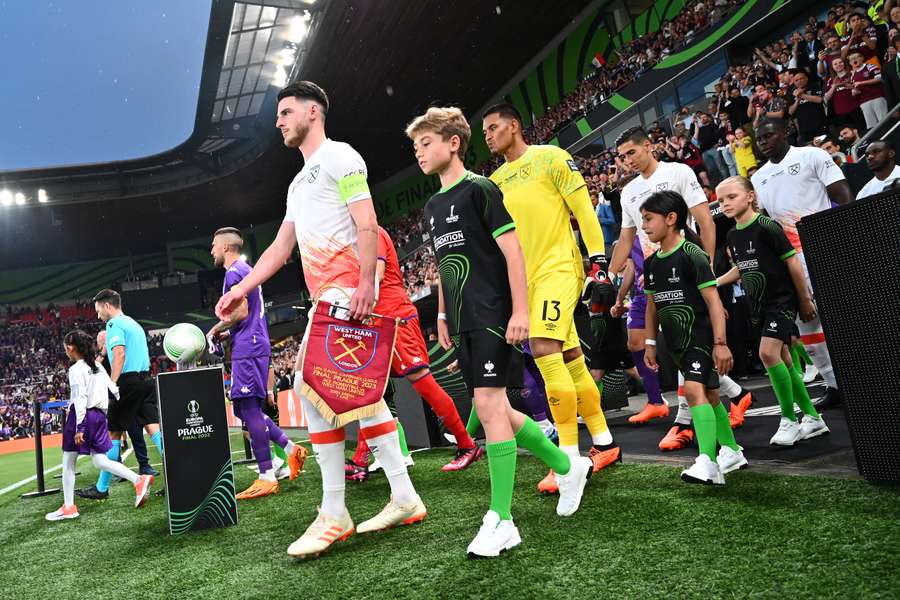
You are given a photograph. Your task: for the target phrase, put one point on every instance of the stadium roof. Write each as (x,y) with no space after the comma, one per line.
(380,65)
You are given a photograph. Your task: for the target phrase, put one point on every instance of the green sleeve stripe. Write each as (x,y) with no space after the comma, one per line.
(707,284)
(788,254)
(501,230)
(352,185)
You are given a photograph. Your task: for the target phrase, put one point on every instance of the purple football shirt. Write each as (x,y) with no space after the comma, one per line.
(250,337)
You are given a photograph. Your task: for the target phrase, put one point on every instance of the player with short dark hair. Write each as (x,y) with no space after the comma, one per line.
(542,186)
(331,217)
(793,183)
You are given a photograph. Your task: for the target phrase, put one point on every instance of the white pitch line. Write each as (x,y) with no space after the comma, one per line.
(28,480)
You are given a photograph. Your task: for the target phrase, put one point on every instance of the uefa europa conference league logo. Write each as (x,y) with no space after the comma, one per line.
(194,429)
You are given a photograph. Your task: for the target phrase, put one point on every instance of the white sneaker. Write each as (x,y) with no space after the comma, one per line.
(811,427)
(283,473)
(64,512)
(395,514)
(323,532)
(810,374)
(730,460)
(703,471)
(571,485)
(494,537)
(788,433)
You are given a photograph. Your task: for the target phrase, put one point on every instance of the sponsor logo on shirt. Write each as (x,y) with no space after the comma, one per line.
(744,265)
(695,185)
(245,389)
(525,172)
(572,165)
(650,275)
(452,218)
(750,248)
(453,239)
(674,278)
(313,173)
(431,222)
(794,169)
(672,296)
(661,187)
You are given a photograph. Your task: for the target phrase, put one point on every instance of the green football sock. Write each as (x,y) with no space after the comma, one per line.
(801,396)
(600,389)
(404,449)
(780,376)
(705,427)
(474,422)
(801,350)
(502,466)
(533,439)
(724,434)
(797,362)
(279,452)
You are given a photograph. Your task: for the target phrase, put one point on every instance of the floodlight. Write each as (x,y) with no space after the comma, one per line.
(6,198)
(42,196)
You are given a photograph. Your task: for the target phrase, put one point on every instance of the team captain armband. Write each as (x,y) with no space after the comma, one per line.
(353,186)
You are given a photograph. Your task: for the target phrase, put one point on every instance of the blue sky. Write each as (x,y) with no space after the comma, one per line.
(97,80)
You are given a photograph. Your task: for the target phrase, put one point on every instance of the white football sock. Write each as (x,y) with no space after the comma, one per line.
(101,461)
(386,449)
(68,477)
(329,456)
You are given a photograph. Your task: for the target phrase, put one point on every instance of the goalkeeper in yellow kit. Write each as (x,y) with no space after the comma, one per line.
(541,186)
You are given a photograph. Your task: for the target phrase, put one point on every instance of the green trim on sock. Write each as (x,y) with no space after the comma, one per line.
(502,467)
(404,449)
(533,439)
(724,434)
(473,423)
(279,452)
(780,376)
(705,427)
(801,396)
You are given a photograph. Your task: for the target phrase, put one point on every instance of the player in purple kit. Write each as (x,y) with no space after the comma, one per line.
(250,351)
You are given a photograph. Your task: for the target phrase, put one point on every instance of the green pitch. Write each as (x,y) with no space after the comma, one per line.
(640,533)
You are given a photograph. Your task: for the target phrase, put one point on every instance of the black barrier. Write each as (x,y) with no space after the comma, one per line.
(196,451)
(39,456)
(248,453)
(852,259)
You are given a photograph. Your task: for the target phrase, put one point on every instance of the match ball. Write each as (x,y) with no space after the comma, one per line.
(184,342)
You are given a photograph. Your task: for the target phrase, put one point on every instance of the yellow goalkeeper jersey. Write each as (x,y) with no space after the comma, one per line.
(538,188)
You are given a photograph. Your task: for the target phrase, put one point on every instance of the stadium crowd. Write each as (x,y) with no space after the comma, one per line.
(33,362)
(825,79)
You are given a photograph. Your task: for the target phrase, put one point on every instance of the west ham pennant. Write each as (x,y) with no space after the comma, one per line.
(347,364)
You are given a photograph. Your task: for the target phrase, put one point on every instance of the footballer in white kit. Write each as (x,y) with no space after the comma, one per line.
(796,182)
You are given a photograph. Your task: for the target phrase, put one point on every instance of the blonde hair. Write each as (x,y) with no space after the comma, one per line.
(445,121)
(744,183)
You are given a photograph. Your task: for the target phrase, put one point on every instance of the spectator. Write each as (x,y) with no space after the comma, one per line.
(845,104)
(868,89)
(807,109)
(743,152)
(707,135)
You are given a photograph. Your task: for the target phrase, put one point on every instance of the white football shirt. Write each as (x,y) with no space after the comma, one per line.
(876,186)
(676,177)
(795,187)
(318,205)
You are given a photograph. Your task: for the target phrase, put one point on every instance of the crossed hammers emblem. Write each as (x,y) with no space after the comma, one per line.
(351,352)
